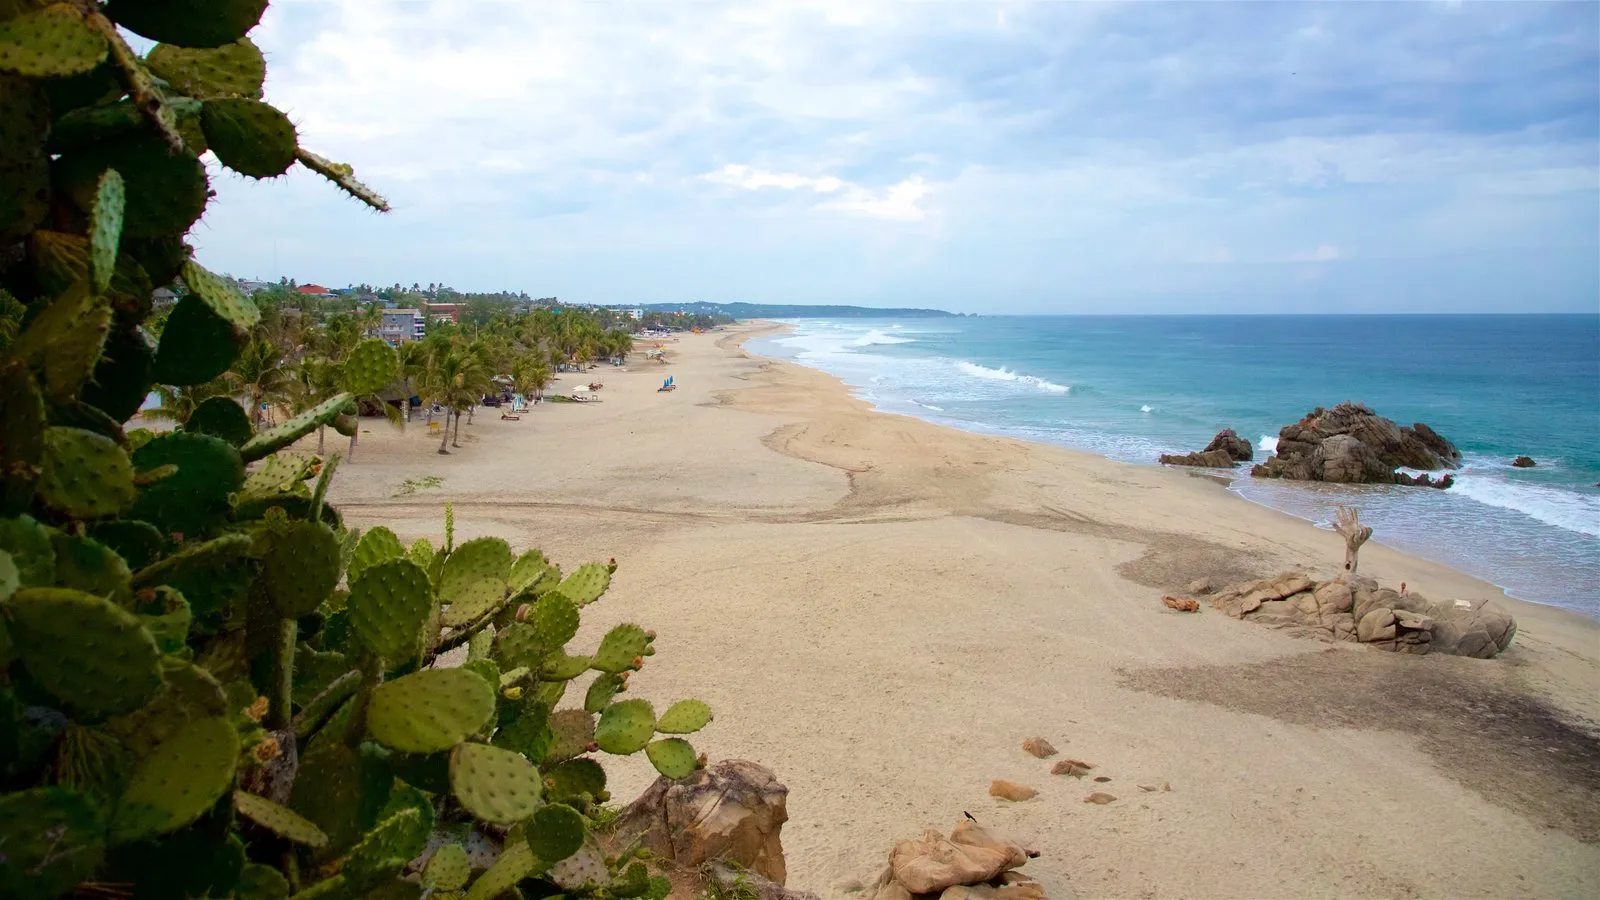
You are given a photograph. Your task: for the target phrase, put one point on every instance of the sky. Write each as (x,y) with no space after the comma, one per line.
(979,157)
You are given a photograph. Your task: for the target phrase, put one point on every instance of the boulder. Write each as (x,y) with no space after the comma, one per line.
(971,855)
(1229,442)
(1210,459)
(732,811)
(1524,462)
(736,881)
(1038,746)
(1358,609)
(1351,444)
(1010,790)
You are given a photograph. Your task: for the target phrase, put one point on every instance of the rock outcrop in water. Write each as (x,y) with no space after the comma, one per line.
(1224,450)
(1524,462)
(1357,609)
(1351,444)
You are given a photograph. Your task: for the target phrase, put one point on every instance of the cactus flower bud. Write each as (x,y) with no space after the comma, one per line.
(257,710)
(650,635)
(592,747)
(266,751)
(522,612)
(638,662)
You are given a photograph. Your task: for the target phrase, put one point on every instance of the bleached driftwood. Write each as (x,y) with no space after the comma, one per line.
(1348,524)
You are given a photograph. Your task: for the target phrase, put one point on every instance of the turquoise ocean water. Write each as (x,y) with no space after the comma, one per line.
(1131,388)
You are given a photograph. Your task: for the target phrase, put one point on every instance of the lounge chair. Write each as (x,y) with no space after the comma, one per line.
(510,415)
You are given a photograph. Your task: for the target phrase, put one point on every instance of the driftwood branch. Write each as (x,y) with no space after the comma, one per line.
(1348,524)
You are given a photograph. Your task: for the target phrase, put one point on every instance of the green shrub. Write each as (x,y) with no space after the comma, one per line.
(209,686)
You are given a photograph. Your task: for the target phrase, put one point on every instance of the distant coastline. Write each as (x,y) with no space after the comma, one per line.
(746,311)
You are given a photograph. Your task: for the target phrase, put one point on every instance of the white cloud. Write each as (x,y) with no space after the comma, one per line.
(898,201)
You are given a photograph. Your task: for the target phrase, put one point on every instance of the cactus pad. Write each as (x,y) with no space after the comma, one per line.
(167,196)
(105,229)
(281,472)
(343,177)
(575,780)
(370,368)
(554,619)
(250,137)
(188,23)
(85,475)
(473,581)
(431,710)
(279,820)
(388,605)
(53,838)
(527,571)
(515,864)
(585,585)
(122,379)
(292,430)
(22,426)
(560,667)
(684,717)
(583,872)
(177,782)
(626,727)
(299,566)
(672,757)
(377,545)
(601,692)
(87,565)
(384,851)
(63,342)
(30,547)
(221,417)
(421,553)
(196,346)
(10,580)
(528,734)
(224,299)
(232,70)
(498,786)
(555,832)
(620,647)
(195,498)
(50,43)
(574,731)
(448,869)
(84,649)
(485,669)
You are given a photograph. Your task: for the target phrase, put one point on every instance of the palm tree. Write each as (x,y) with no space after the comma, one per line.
(531,375)
(455,379)
(314,381)
(262,374)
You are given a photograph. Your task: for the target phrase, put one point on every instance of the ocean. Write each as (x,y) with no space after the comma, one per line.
(1134,387)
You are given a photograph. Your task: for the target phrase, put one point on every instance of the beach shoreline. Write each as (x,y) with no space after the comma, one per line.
(881,609)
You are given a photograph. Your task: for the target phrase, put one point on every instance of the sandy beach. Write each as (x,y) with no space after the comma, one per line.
(881,610)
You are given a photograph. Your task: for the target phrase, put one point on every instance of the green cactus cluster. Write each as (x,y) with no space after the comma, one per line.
(209,684)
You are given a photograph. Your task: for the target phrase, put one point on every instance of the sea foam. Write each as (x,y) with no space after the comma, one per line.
(1268,443)
(1552,506)
(1004,374)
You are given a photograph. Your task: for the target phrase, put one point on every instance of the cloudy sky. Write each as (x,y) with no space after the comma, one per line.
(980,157)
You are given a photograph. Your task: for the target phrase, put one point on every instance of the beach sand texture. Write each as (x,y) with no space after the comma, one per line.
(882,610)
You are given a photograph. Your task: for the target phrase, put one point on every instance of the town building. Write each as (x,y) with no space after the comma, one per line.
(315,290)
(401,326)
(440,311)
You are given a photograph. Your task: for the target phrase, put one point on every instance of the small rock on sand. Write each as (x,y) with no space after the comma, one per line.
(1181,604)
(1102,779)
(1039,747)
(1099,798)
(1010,790)
(1077,768)
(1202,586)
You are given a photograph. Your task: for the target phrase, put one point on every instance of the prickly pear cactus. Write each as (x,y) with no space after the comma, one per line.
(209,686)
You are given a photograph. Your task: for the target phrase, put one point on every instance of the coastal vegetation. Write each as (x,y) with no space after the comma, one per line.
(209,684)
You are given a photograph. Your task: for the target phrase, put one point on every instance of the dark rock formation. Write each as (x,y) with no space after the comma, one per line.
(1224,450)
(1237,447)
(1357,609)
(732,811)
(1211,459)
(1351,444)
(1524,462)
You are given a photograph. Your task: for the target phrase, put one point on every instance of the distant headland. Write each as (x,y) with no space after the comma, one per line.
(797,311)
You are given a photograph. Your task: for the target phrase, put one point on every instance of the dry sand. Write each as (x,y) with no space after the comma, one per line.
(882,610)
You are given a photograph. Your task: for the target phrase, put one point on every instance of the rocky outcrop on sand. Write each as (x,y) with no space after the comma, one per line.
(732,811)
(1358,609)
(1351,444)
(971,864)
(1224,450)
